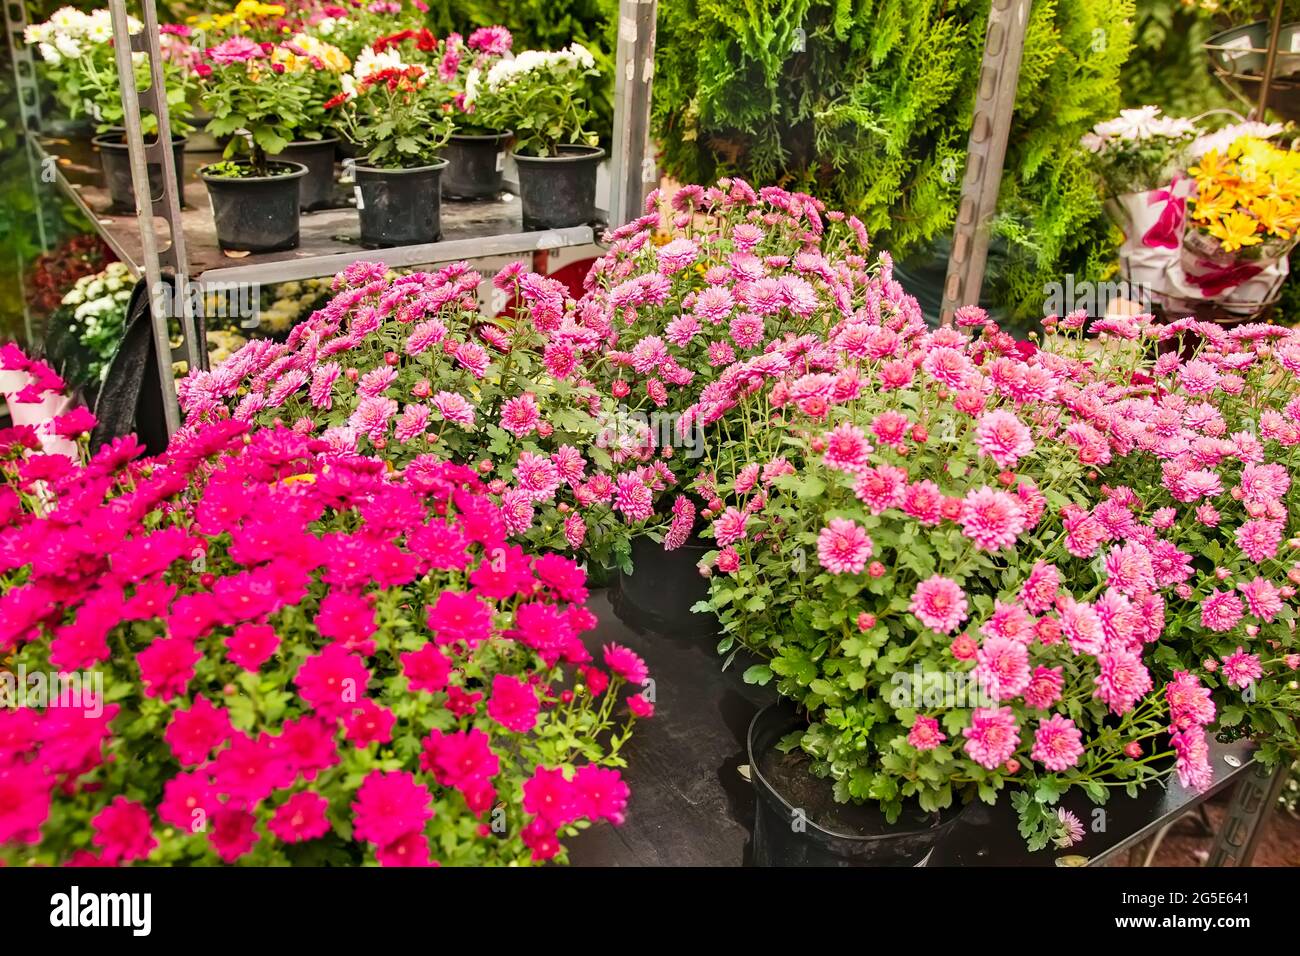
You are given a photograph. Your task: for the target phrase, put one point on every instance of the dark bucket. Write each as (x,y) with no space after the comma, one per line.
(399,207)
(115,157)
(789,801)
(662,588)
(559,191)
(256,213)
(317,189)
(475,164)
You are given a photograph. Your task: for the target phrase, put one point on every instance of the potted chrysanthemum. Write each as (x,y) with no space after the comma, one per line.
(314,140)
(476,151)
(78,57)
(543,97)
(398,116)
(258,104)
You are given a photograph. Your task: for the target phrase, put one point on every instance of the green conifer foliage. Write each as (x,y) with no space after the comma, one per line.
(873,115)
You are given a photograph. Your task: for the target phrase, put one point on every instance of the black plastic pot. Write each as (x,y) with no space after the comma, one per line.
(788,835)
(475,163)
(115,157)
(317,189)
(399,207)
(663,585)
(559,191)
(256,213)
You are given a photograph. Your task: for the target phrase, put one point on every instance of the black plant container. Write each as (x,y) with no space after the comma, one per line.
(559,191)
(115,157)
(399,207)
(317,189)
(256,213)
(662,588)
(786,835)
(475,164)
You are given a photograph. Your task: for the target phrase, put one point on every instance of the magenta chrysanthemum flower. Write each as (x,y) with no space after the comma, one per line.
(992,519)
(992,736)
(1193,759)
(729,527)
(1220,611)
(1003,437)
(389,806)
(301,817)
(632,497)
(940,604)
(626,664)
(1058,744)
(843,547)
(513,704)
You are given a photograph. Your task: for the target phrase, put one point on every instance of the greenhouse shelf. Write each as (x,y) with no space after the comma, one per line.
(471,230)
(692,806)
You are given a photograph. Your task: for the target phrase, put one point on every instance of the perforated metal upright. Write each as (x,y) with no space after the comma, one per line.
(1004,44)
(165,302)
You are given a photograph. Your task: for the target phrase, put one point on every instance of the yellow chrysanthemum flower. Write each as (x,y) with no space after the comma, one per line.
(1235,231)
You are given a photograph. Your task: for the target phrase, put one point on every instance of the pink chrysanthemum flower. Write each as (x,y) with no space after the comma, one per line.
(881,488)
(843,547)
(847,448)
(1220,611)
(992,736)
(940,604)
(1259,538)
(454,408)
(1262,598)
(520,415)
(925,733)
(1071,829)
(1123,680)
(729,527)
(1044,688)
(1039,590)
(1003,437)
(992,519)
(1058,744)
(1002,667)
(1241,669)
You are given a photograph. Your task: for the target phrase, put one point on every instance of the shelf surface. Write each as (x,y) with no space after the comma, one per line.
(690,806)
(328,238)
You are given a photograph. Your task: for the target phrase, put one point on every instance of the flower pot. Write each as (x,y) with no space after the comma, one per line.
(317,189)
(115,156)
(399,207)
(1248,275)
(798,823)
(1238,50)
(663,586)
(559,191)
(256,213)
(474,165)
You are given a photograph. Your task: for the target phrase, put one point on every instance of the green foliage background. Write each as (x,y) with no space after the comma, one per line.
(873,116)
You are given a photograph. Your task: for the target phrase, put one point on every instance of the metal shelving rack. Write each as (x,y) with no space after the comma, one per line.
(171,243)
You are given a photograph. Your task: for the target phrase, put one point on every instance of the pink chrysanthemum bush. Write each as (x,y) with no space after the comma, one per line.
(705,278)
(305,658)
(405,366)
(905,536)
(1198,465)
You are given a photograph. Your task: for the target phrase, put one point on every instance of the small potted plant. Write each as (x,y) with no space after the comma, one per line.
(314,140)
(542,96)
(78,54)
(476,151)
(397,116)
(258,104)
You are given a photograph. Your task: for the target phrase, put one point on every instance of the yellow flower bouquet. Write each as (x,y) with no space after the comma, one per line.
(1243,215)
